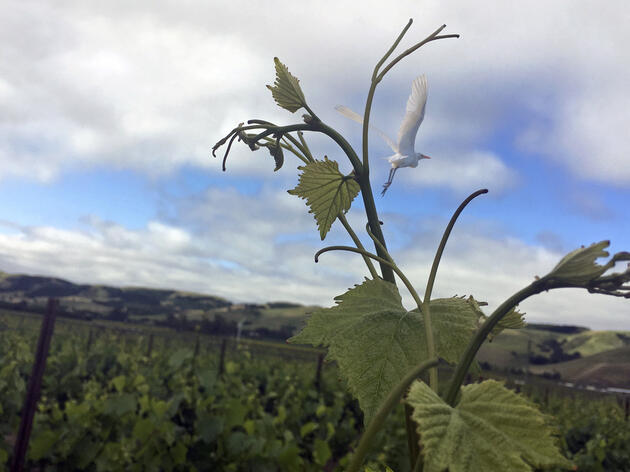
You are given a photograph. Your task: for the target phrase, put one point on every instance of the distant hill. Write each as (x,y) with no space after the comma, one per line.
(177,309)
(31,292)
(588,357)
(609,368)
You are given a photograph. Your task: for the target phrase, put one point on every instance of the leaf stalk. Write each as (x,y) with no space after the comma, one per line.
(388,405)
(426,305)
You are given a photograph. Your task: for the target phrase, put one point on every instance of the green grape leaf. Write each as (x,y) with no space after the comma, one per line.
(286,89)
(119,382)
(209,426)
(308,428)
(143,428)
(376,341)
(491,428)
(454,323)
(120,404)
(326,190)
(42,444)
(321,452)
(178,453)
(179,357)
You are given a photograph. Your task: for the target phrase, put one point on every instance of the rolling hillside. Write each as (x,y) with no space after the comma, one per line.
(576,353)
(138,304)
(609,368)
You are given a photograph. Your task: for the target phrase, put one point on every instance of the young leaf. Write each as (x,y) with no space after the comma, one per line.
(326,191)
(579,269)
(286,89)
(375,341)
(274,147)
(276,152)
(491,428)
(579,266)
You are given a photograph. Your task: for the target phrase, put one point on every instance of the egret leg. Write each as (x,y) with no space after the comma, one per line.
(386,185)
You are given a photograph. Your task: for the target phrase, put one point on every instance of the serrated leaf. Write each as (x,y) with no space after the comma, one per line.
(511,320)
(326,191)
(579,266)
(286,89)
(375,341)
(491,428)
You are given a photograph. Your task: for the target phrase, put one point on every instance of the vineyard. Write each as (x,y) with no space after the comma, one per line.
(115,400)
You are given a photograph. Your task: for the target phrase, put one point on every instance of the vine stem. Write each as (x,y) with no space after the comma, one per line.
(388,405)
(426,305)
(357,242)
(394,267)
(363,180)
(305,146)
(370,97)
(366,193)
(432,37)
(412,436)
(368,198)
(471,351)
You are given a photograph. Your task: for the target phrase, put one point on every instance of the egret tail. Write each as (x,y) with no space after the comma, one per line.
(348,113)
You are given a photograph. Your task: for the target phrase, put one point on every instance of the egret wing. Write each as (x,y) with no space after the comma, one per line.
(354,116)
(413,117)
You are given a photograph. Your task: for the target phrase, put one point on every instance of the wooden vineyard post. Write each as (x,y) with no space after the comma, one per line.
(222,358)
(318,374)
(196,347)
(150,347)
(34,388)
(89,341)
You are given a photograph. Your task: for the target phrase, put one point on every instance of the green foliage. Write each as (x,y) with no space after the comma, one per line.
(596,436)
(491,428)
(171,412)
(376,341)
(266,415)
(286,89)
(326,190)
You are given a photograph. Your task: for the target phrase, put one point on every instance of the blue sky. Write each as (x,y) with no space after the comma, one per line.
(108,112)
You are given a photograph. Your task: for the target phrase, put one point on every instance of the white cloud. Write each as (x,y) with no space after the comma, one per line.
(492,269)
(230,249)
(152,85)
(464,172)
(261,249)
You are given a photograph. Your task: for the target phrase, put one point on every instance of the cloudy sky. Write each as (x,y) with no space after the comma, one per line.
(108,111)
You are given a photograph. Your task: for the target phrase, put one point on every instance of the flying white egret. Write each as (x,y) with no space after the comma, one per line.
(405,156)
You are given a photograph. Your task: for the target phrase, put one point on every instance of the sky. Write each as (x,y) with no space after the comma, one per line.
(109,110)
